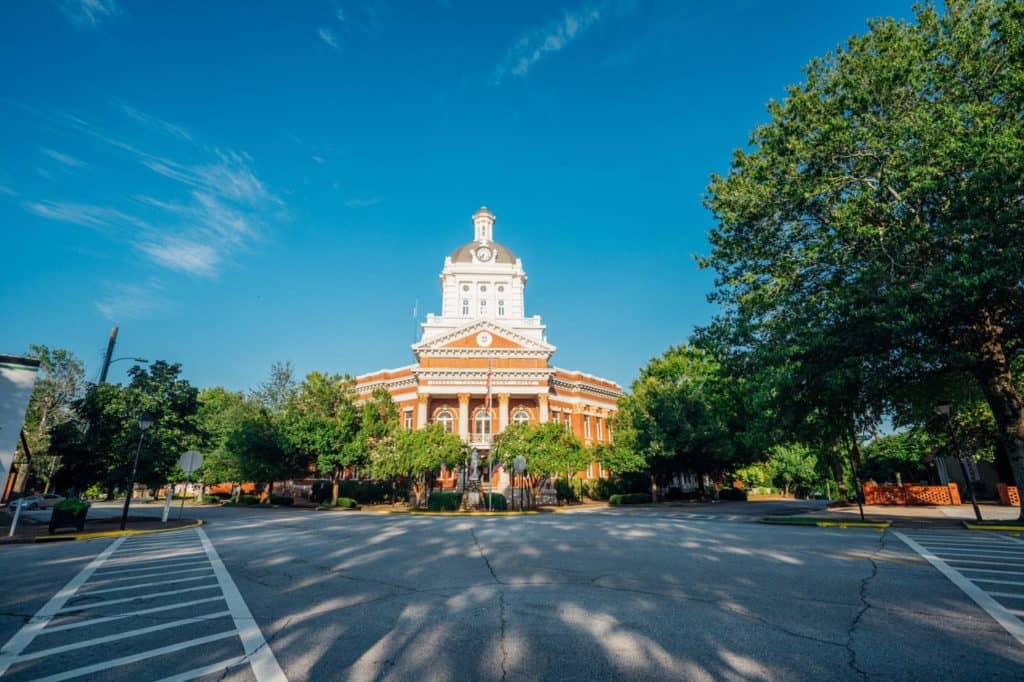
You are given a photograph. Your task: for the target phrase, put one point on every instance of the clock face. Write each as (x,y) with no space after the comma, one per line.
(484,339)
(483,254)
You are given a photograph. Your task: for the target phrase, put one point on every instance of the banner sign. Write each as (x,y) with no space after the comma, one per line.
(17,379)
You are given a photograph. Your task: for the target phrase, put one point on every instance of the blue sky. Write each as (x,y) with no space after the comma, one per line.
(239,183)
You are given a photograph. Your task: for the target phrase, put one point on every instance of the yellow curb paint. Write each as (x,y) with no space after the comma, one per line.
(1013,530)
(113,533)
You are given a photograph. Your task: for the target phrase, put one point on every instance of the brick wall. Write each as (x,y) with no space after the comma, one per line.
(911,494)
(1009,495)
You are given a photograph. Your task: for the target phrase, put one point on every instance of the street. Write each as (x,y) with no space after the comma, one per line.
(653,595)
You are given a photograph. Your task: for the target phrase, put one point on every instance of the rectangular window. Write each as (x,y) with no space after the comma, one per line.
(600,430)
(586,426)
(483,306)
(465,307)
(408,420)
(501,308)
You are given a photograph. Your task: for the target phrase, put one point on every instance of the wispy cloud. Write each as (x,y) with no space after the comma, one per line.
(8,191)
(155,124)
(85,215)
(363,203)
(553,37)
(181,254)
(214,206)
(123,301)
(65,159)
(327,35)
(88,13)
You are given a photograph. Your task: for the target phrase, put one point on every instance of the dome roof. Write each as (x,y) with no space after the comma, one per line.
(499,253)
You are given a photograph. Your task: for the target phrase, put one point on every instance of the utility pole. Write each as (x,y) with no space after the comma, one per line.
(109,355)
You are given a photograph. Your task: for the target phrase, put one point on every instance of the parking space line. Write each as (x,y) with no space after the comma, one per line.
(997,611)
(119,571)
(23,637)
(264,665)
(107,590)
(995,580)
(151,595)
(1012,595)
(223,666)
(990,570)
(135,658)
(143,612)
(43,653)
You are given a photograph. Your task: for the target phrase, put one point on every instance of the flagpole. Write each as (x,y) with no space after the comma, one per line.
(490,452)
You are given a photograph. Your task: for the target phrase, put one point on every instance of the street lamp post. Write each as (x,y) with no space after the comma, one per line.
(946,410)
(145,421)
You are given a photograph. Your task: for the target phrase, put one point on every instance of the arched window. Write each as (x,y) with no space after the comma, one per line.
(521,416)
(482,423)
(483,306)
(465,307)
(501,307)
(445,419)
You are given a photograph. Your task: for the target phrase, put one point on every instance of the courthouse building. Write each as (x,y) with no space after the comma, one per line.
(483,344)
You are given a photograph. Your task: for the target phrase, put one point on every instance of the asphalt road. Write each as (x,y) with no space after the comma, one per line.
(585,596)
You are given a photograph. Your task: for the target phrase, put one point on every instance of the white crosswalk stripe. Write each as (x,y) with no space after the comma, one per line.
(972,562)
(171,601)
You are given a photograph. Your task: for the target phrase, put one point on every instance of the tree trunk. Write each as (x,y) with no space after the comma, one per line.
(994,374)
(335,486)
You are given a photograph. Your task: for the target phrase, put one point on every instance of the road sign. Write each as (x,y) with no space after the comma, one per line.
(972,468)
(190,461)
(520,464)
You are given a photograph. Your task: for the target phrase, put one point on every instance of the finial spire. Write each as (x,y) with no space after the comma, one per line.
(483,225)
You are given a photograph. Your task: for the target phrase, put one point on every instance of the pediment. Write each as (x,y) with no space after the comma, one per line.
(483,336)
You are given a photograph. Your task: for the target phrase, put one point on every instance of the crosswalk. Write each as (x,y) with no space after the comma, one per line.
(987,567)
(150,607)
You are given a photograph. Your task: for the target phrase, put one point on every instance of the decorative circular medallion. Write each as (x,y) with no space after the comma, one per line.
(484,339)
(483,254)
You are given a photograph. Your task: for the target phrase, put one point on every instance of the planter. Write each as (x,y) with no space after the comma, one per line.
(68,518)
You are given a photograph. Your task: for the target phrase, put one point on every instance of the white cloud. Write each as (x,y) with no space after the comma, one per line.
(130,301)
(327,35)
(182,254)
(156,124)
(86,215)
(88,13)
(64,159)
(538,43)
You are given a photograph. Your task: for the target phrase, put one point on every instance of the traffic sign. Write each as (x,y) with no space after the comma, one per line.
(520,464)
(190,461)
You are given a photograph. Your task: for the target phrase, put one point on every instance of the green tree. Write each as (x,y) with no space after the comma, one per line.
(879,212)
(278,390)
(59,383)
(415,455)
(322,425)
(551,451)
(792,466)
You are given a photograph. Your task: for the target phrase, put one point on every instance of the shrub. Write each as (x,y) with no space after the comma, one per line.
(248,499)
(568,490)
(72,504)
(630,498)
(282,500)
(223,496)
(364,492)
(732,494)
(95,492)
(346,503)
(448,501)
(495,501)
(211,499)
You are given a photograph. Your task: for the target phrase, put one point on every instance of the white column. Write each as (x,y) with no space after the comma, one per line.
(502,411)
(542,403)
(421,411)
(464,416)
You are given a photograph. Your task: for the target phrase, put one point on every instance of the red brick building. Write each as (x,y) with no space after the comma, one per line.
(483,344)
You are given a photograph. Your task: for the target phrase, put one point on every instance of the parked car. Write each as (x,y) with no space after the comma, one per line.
(35,501)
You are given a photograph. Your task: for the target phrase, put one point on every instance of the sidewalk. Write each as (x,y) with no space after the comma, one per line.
(29,529)
(920,516)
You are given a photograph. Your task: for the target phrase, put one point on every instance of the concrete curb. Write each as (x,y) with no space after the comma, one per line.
(97,534)
(1013,530)
(824,523)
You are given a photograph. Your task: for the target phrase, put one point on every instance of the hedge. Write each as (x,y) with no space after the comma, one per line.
(347,503)
(630,498)
(212,499)
(495,502)
(448,501)
(364,492)
(282,500)
(248,499)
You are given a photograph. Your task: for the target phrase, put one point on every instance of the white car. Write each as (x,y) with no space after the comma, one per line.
(35,501)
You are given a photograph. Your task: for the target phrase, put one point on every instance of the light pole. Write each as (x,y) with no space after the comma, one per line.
(108,363)
(145,421)
(946,410)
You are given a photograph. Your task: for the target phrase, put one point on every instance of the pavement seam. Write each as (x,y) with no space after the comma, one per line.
(851,659)
(501,603)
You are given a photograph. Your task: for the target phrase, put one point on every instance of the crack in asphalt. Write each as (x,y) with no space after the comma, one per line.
(865,605)
(502,610)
